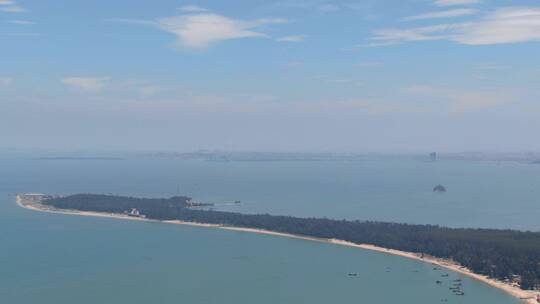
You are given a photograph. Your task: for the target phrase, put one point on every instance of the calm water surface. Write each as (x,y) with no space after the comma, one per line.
(49,258)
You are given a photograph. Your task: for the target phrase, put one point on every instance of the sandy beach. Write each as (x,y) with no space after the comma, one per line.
(528,297)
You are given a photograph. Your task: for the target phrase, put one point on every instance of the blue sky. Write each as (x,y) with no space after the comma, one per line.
(302,75)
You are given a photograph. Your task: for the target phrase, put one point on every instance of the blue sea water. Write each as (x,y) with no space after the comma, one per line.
(50,258)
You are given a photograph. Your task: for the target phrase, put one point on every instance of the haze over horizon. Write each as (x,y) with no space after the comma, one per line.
(298,75)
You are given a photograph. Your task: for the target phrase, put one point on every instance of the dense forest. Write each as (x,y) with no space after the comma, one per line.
(501,254)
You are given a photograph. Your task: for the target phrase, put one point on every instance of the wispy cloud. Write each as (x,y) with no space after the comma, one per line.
(507,25)
(22,34)
(413,99)
(89,84)
(491,66)
(370,106)
(204,30)
(132,21)
(328,8)
(455,2)
(504,25)
(484,71)
(292,38)
(395,36)
(343,81)
(459,101)
(319,6)
(11,6)
(5,82)
(143,88)
(21,22)
(472,102)
(339,80)
(12,9)
(149,90)
(294,64)
(368,64)
(193,9)
(442,14)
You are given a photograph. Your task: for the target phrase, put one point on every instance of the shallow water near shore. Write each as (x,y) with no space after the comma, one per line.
(50,258)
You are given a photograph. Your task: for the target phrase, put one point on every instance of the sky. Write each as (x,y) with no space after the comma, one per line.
(252,75)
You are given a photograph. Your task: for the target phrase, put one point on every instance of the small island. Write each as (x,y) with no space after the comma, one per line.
(506,259)
(439,188)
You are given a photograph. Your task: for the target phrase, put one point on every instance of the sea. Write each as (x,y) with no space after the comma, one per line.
(65,259)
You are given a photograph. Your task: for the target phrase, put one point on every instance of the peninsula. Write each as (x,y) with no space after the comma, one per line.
(506,259)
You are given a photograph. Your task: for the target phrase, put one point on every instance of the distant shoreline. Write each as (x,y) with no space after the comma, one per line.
(527,296)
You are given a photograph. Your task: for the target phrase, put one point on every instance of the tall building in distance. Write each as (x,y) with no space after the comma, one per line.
(433,156)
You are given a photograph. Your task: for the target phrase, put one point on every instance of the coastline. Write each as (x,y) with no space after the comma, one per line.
(526,296)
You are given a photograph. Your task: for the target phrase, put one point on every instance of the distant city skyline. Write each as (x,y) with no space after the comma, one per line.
(410,76)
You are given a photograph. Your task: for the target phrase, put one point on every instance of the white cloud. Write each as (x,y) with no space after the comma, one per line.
(455,2)
(10,6)
(442,14)
(504,25)
(193,9)
(204,30)
(507,25)
(5,82)
(90,84)
(21,22)
(292,38)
